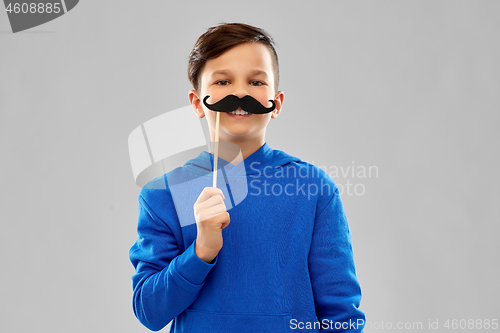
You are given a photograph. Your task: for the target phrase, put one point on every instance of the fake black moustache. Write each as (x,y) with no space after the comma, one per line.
(232,103)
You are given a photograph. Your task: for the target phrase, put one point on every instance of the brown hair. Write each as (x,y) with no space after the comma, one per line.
(220,38)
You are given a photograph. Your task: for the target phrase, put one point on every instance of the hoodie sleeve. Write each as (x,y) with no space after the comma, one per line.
(337,293)
(166,282)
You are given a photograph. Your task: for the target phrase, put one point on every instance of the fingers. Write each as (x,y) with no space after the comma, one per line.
(209,192)
(222,218)
(210,212)
(209,204)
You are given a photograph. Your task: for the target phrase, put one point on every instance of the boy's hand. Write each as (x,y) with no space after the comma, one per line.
(211,217)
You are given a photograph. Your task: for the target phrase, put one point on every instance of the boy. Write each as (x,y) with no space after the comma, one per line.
(287,263)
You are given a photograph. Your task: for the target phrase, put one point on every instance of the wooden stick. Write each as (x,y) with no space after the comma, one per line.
(216,148)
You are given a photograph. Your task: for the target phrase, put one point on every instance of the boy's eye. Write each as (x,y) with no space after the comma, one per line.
(222,82)
(257,83)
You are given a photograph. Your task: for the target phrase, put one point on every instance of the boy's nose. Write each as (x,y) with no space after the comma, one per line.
(240,91)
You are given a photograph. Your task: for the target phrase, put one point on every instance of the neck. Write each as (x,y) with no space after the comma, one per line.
(229,151)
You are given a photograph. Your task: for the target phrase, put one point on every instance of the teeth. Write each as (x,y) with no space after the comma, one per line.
(240,112)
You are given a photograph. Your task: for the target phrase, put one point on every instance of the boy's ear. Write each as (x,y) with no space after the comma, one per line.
(278,99)
(195,101)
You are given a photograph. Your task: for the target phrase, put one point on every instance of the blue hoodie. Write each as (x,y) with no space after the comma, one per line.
(286,264)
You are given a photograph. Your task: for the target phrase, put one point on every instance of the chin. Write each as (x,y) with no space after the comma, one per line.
(238,135)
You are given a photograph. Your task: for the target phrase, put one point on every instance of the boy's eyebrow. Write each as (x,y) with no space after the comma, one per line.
(227,71)
(258,72)
(221,72)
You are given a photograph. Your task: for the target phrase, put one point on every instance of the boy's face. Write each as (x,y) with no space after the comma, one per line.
(246,69)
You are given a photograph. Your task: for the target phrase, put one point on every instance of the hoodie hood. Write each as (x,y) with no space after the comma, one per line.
(263,157)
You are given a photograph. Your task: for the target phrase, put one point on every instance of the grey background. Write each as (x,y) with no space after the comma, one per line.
(411,87)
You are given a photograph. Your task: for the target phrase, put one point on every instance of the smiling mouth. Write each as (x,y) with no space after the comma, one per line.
(239,112)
